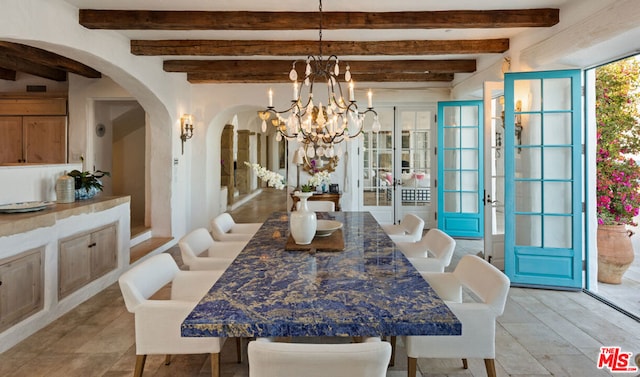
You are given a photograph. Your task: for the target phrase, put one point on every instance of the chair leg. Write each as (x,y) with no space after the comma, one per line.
(465,365)
(392,362)
(491,367)
(412,366)
(239,349)
(167,359)
(215,365)
(140,360)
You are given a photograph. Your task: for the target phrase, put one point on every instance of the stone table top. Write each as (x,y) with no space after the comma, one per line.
(369,289)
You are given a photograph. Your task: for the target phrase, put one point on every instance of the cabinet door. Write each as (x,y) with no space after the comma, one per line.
(21,287)
(74,264)
(10,139)
(46,139)
(104,255)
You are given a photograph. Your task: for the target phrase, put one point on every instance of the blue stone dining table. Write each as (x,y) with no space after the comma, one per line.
(368,289)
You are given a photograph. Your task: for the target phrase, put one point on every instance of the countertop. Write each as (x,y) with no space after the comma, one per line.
(15,223)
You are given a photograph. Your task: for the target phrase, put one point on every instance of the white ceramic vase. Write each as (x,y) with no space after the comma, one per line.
(303,222)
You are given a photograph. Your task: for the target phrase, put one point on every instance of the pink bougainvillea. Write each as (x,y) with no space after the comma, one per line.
(618,174)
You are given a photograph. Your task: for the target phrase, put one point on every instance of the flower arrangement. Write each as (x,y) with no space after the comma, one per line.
(618,139)
(319,178)
(273,179)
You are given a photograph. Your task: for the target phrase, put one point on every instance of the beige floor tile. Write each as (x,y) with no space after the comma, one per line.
(514,357)
(540,340)
(570,366)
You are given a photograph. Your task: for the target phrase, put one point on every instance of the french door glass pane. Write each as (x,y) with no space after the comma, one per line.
(469,181)
(557,231)
(452,202)
(469,202)
(530,233)
(556,94)
(528,196)
(554,163)
(531,130)
(469,116)
(533,87)
(557,129)
(451,116)
(469,138)
(529,163)
(452,180)
(469,159)
(559,197)
(451,137)
(451,159)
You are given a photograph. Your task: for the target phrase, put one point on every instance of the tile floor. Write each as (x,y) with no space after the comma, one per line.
(542,333)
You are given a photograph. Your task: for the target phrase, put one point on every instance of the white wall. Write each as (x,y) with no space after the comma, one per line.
(31,182)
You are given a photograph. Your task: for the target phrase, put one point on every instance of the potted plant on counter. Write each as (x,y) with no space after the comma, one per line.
(87,183)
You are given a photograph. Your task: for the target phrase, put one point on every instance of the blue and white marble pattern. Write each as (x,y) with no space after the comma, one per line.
(369,289)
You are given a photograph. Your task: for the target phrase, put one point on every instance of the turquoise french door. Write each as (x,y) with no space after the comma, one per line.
(460,164)
(543,211)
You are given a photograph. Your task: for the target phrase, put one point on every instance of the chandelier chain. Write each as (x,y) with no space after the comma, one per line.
(320,30)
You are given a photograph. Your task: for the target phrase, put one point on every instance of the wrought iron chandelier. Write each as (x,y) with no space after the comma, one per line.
(320,125)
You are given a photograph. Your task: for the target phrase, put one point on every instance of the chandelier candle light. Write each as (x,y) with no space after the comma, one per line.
(319,127)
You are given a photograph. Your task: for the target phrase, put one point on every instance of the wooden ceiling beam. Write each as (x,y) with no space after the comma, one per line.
(7,74)
(251,77)
(304,48)
(11,62)
(284,66)
(45,58)
(244,20)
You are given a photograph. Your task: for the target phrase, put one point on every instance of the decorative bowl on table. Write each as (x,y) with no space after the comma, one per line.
(327,227)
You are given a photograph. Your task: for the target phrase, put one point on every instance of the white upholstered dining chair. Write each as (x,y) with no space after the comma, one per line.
(157,322)
(273,359)
(199,251)
(409,230)
(319,206)
(432,253)
(224,228)
(491,287)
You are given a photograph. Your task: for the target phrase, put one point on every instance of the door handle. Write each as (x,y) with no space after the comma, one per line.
(489,201)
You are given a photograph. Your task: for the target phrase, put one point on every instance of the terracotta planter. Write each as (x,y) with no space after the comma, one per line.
(615,252)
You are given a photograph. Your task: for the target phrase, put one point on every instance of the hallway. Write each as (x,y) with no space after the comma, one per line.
(541,333)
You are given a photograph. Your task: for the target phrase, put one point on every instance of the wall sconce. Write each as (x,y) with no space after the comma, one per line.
(186,129)
(518,124)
